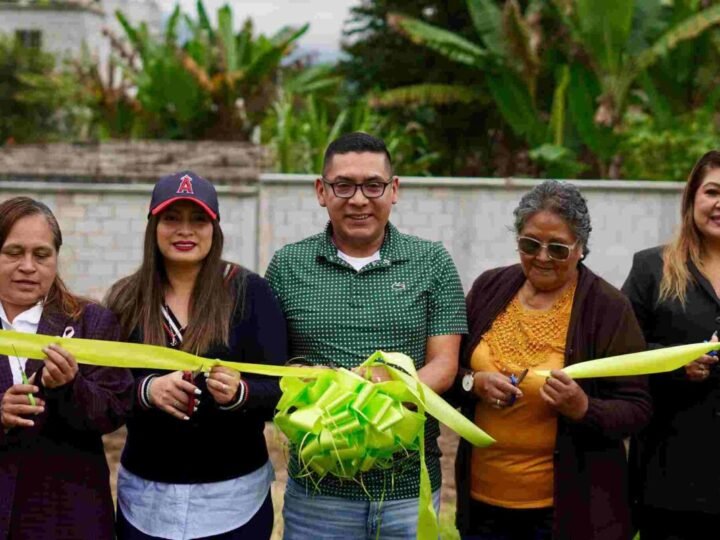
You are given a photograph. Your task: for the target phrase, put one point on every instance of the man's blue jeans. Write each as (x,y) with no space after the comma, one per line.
(333,518)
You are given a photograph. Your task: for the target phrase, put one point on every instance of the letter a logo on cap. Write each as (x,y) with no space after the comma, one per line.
(186,185)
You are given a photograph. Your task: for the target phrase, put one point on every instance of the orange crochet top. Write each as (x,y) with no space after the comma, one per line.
(517,471)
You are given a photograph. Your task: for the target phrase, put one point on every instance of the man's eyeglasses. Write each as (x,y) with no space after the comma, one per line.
(346,190)
(555,250)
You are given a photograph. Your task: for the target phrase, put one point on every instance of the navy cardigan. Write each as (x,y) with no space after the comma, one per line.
(216,444)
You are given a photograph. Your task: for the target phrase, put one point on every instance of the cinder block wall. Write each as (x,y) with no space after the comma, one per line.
(100,195)
(103,228)
(473,218)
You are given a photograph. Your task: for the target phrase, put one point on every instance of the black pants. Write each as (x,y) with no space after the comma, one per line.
(660,524)
(259,527)
(489,522)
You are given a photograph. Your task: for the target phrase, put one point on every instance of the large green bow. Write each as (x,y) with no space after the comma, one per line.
(342,424)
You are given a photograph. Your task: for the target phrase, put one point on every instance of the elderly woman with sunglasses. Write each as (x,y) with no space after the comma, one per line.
(559,468)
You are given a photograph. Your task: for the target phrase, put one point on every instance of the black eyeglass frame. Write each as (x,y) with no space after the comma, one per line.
(360,186)
(547,245)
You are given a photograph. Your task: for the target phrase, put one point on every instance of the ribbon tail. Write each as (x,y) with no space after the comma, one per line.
(640,363)
(427,527)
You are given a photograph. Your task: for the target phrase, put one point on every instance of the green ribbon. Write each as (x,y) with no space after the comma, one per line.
(97,352)
(342,424)
(640,363)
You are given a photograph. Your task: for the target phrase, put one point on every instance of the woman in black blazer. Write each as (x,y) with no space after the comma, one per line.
(674,290)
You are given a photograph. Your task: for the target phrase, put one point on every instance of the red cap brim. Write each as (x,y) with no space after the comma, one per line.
(163,205)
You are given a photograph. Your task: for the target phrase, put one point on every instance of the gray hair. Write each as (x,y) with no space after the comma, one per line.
(560,198)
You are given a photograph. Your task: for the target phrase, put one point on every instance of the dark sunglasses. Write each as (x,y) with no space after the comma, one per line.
(555,250)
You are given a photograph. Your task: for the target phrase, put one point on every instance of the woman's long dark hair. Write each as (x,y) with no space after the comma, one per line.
(59,298)
(137,299)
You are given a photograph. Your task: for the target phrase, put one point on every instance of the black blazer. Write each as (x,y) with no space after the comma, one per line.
(677,454)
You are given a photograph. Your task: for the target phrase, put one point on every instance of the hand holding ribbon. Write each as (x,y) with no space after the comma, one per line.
(60,367)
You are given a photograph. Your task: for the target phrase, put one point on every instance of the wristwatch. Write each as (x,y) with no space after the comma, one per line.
(468,381)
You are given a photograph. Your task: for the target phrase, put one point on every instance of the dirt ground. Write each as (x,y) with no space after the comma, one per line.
(448,445)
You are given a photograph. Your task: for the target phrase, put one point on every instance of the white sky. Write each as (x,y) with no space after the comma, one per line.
(326,18)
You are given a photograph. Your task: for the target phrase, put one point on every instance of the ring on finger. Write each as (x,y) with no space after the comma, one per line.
(497,402)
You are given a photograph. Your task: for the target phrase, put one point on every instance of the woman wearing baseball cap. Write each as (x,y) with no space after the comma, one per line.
(195,464)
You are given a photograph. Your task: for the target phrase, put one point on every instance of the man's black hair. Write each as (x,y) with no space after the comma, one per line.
(355,142)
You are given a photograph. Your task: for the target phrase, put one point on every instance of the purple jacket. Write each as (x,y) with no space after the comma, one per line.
(54,477)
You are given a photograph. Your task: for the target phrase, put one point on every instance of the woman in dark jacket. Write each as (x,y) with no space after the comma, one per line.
(53,474)
(195,464)
(674,292)
(559,468)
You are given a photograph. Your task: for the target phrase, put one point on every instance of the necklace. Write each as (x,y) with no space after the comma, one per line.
(522,338)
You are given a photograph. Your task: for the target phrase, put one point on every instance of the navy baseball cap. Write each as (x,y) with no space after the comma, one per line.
(184,186)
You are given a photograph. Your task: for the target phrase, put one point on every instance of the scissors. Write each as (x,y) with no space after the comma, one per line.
(189,376)
(24,377)
(515,381)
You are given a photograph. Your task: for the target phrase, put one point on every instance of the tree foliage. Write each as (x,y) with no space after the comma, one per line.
(377,59)
(564,97)
(216,83)
(33,95)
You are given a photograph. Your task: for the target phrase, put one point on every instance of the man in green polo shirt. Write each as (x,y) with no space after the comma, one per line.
(357,287)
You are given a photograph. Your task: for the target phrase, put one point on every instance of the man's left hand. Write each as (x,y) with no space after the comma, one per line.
(374,374)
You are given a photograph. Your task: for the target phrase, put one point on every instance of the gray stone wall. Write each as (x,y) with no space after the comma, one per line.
(103,223)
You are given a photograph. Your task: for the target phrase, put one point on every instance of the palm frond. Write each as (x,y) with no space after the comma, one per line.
(487,19)
(447,43)
(520,47)
(689,28)
(428,94)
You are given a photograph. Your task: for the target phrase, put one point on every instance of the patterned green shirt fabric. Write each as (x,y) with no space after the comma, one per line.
(337,315)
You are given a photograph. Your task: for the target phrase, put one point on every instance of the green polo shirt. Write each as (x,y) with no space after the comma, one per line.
(337,315)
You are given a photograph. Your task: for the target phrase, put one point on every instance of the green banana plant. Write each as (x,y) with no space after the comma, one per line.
(618,43)
(216,84)
(618,58)
(300,127)
(507,51)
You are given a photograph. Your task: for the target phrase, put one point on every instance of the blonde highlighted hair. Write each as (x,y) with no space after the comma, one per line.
(688,242)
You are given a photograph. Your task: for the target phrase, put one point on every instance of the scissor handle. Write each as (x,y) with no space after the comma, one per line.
(188,376)
(514,382)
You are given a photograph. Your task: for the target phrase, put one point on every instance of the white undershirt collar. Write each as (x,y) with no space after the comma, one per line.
(359,262)
(26,322)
